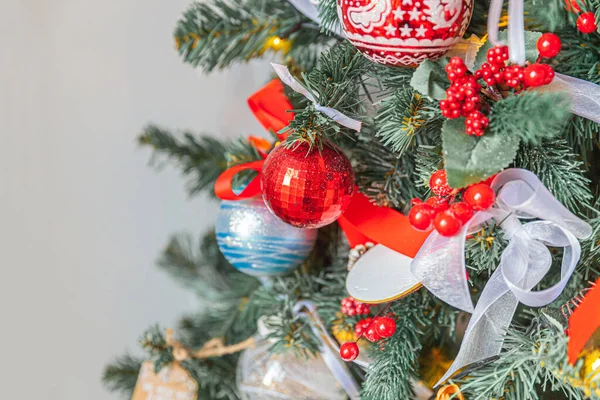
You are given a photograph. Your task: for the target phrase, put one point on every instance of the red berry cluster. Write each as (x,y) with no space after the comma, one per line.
(462,97)
(496,72)
(371,329)
(443,211)
(351,307)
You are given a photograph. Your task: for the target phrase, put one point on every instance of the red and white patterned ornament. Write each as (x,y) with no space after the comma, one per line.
(404,32)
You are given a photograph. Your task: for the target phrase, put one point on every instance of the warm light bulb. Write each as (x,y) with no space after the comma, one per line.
(596,364)
(276,41)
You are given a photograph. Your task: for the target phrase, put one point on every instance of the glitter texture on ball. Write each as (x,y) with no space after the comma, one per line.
(307,188)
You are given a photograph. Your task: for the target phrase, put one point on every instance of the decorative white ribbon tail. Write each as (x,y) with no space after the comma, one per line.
(288,79)
(310,8)
(585,96)
(327,346)
(440,264)
(516,28)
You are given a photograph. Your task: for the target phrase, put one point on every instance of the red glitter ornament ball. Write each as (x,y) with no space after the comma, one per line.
(404,32)
(307,188)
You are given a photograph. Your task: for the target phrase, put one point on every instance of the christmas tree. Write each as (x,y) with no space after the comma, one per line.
(423,222)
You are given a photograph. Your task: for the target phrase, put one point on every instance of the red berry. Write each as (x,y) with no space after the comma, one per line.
(480,196)
(462,210)
(447,224)
(349,351)
(439,204)
(386,326)
(415,201)
(457,61)
(549,45)
(586,23)
(549,73)
(371,333)
(361,326)
(438,183)
(421,216)
(535,75)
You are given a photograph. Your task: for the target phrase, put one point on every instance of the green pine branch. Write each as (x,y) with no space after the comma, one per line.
(395,364)
(583,135)
(202,268)
(121,376)
(531,116)
(328,15)
(334,83)
(407,118)
(201,158)
(560,170)
(531,366)
(388,180)
(219,33)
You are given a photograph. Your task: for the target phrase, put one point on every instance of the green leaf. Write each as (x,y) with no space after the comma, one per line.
(471,159)
(531,52)
(430,79)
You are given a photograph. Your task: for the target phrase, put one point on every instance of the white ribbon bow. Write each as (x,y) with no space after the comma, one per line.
(326,347)
(288,79)
(440,264)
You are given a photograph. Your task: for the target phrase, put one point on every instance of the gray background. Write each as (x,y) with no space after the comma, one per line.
(82,216)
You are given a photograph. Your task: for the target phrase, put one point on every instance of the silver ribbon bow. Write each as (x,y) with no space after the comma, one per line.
(326,348)
(288,79)
(440,264)
(585,96)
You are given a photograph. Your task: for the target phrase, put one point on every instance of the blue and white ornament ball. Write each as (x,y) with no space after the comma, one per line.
(256,242)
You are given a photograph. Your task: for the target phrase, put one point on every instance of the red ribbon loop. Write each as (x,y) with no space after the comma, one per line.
(271,107)
(224,183)
(363,221)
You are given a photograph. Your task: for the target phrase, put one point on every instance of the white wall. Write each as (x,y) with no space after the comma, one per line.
(82,217)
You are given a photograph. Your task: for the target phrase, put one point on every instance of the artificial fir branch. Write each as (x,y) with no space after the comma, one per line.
(560,170)
(429,159)
(218,33)
(405,118)
(511,116)
(204,269)
(216,378)
(334,83)
(582,135)
(121,376)
(483,250)
(202,158)
(328,15)
(395,365)
(529,360)
(384,177)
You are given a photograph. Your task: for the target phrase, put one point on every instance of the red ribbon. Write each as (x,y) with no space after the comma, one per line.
(362,222)
(584,322)
(271,107)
